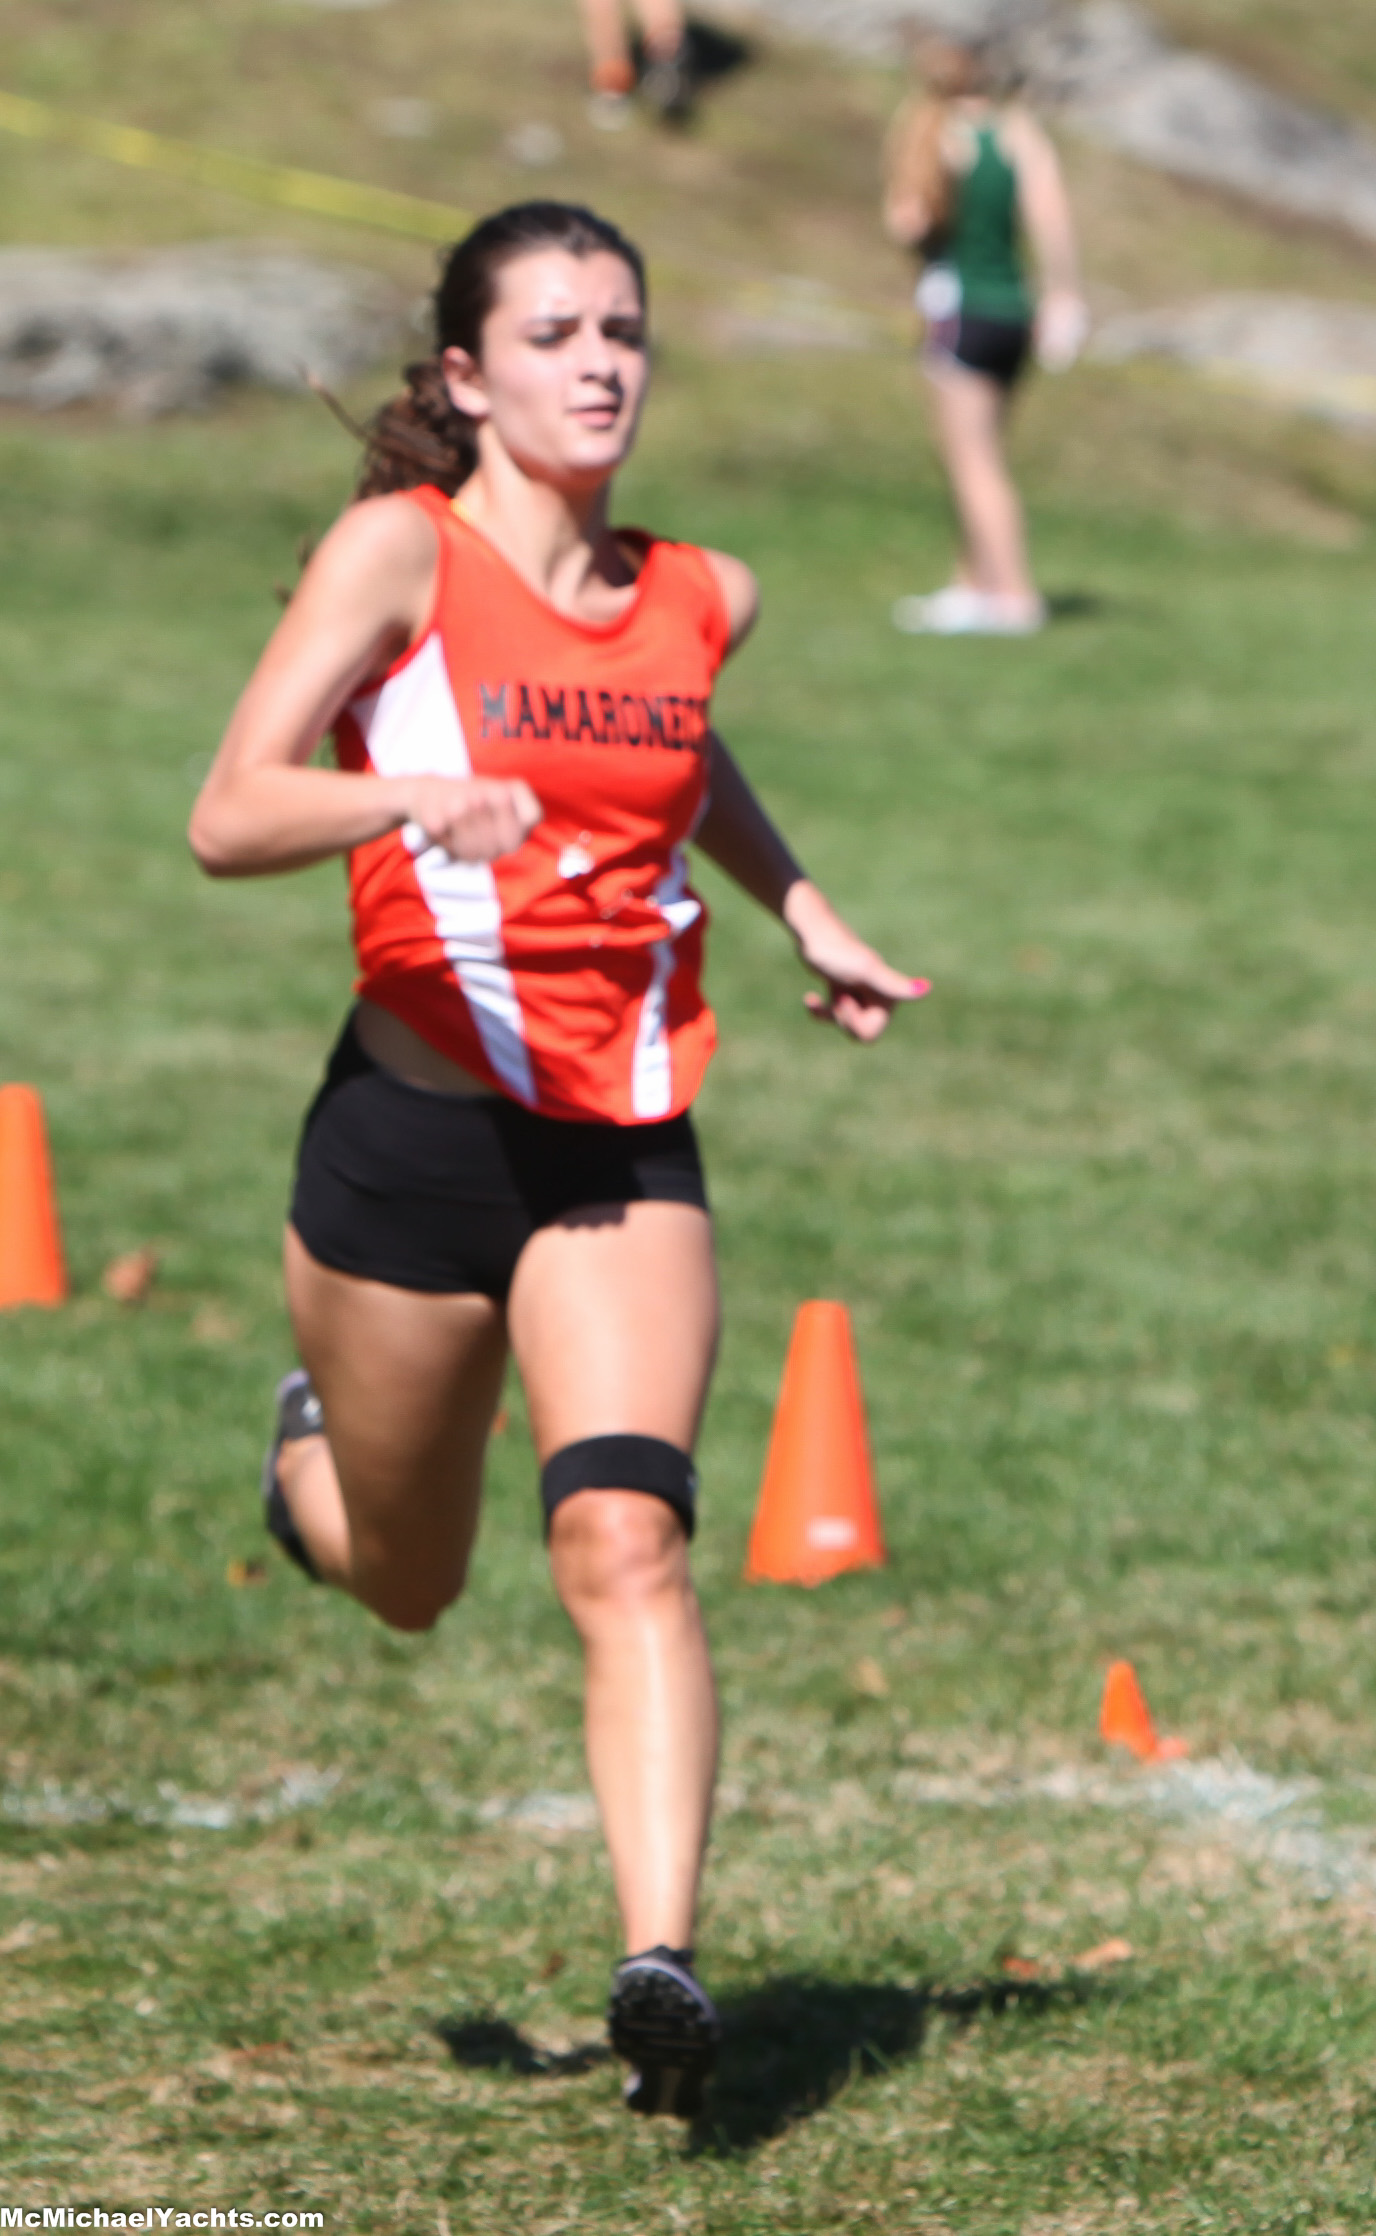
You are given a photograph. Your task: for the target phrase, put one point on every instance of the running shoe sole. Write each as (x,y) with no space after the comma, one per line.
(666,2028)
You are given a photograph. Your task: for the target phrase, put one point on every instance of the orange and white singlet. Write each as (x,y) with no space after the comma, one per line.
(567,974)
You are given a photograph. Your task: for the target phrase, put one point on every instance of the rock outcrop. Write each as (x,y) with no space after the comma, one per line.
(1319,357)
(875,27)
(1108,71)
(167,332)
(1118,81)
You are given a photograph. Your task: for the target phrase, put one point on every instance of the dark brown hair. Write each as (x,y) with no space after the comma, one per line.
(420,436)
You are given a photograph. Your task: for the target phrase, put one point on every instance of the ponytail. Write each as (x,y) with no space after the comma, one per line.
(419,436)
(919,167)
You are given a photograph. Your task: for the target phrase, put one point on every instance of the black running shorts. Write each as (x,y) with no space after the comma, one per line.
(996,347)
(441,1192)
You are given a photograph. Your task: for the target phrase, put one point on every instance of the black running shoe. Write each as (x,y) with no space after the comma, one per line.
(299,1413)
(666,2027)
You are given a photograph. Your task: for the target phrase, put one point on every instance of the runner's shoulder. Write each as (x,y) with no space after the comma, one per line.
(380,547)
(1021,135)
(740,591)
(381,531)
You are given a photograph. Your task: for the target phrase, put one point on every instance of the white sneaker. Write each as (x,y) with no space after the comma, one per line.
(948,612)
(609,112)
(958,611)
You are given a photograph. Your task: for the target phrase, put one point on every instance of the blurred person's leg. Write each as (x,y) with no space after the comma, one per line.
(663,26)
(667,83)
(610,69)
(969,411)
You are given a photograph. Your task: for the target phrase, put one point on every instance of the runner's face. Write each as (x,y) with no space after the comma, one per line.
(564,366)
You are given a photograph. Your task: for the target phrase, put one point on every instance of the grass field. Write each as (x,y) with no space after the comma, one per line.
(1101,1211)
(295,1915)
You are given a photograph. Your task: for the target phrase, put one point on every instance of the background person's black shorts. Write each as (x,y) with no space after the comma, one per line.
(441,1193)
(997,347)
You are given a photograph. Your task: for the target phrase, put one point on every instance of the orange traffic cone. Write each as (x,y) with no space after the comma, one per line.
(31,1268)
(817,1513)
(1126,1721)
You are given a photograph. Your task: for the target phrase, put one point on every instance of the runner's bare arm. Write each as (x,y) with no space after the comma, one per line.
(907,214)
(861,988)
(741,593)
(1044,202)
(363,598)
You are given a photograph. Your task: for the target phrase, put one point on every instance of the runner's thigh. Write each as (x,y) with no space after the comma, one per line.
(613,1317)
(409,1384)
(969,406)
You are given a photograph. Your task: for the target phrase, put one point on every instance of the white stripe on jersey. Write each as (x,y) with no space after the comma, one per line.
(652,1079)
(411,727)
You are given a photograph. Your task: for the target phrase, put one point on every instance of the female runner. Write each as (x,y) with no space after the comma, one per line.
(967,175)
(501,1151)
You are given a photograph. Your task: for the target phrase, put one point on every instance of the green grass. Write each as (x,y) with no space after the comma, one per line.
(1101,1210)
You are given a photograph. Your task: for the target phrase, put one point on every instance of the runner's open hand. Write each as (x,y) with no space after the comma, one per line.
(862,989)
(474,818)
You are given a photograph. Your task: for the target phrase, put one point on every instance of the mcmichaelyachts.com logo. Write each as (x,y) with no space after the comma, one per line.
(150,2216)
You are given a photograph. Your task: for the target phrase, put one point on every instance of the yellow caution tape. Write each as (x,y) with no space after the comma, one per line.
(288,189)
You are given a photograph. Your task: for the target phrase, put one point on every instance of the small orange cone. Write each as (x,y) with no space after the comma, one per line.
(1126,1721)
(818,1514)
(31,1268)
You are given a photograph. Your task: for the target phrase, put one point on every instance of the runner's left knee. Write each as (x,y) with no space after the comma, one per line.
(615,1550)
(615,1553)
(644,1464)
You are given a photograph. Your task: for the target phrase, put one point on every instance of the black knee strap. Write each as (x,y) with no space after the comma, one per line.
(622,1463)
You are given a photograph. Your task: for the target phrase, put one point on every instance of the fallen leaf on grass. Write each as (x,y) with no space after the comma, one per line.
(232,2065)
(868,1677)
(129,1277)
(1022,1967)
(1097,1959)
(555,1963)
(898,1885)
(239,1573)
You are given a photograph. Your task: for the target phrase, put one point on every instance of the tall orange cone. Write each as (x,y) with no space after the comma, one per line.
(1126,1721)
(818,1514)
(31,1268)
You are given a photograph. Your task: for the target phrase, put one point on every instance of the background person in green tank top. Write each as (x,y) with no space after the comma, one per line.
(971,178)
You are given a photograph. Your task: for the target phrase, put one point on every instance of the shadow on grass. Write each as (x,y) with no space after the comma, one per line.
(1078,605)
(714,51)
(488,2044)
(787,2047)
